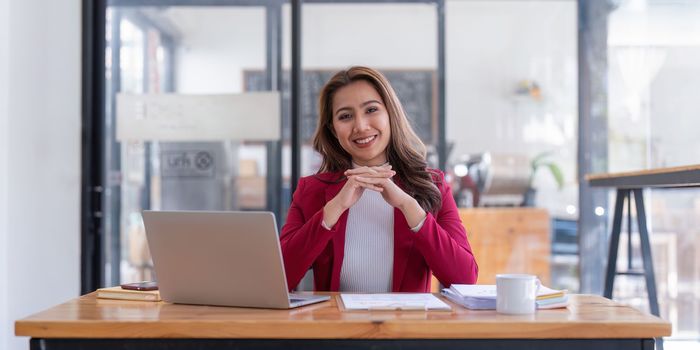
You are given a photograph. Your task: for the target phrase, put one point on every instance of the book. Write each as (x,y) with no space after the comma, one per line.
(126,294)
(483,297)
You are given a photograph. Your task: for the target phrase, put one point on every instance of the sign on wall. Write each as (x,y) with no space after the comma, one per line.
(187,163)
(253,116)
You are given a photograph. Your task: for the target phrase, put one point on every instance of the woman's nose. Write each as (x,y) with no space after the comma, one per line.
(360,124)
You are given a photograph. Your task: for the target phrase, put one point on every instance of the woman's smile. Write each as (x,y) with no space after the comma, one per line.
(365,142)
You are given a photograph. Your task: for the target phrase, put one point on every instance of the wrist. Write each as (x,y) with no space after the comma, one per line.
(413,212)
(331,213)
(409,204)
(335,206)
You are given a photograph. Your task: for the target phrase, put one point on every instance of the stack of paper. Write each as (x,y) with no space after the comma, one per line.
(472,296)
(483,296)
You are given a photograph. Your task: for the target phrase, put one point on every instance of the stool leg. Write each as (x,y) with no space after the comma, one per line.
(646,258)
(614,242)
(646,252)
(629,235)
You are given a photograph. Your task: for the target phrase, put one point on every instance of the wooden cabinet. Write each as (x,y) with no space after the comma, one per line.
(509,240)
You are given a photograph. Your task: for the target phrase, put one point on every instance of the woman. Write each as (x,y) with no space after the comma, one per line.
(374,218)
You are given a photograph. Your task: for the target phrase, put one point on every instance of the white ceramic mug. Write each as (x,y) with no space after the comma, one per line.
(516,294)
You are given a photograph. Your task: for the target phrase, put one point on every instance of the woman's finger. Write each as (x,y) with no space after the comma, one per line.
(370,170)
(371,180)
(371,187)
(358,181)
(361,170)
(382,175)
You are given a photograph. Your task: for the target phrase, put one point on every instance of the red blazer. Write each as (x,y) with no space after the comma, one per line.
(440,247)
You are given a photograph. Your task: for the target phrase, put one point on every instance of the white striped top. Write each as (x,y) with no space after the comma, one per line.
(369,246)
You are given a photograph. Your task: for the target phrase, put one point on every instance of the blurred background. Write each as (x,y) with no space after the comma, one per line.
(515,99)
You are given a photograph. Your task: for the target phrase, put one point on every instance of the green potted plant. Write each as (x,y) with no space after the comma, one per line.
(539,161)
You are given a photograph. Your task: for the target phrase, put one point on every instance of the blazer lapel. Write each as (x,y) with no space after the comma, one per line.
(339,237)
(403,243)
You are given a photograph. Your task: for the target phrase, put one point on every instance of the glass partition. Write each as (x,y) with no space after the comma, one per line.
(175,78)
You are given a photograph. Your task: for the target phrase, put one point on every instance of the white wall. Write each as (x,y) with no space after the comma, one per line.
(211,58)
(377,35)
(4,86)
(43,162)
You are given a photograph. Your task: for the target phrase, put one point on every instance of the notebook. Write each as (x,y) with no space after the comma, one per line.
(125,294)
(220,258)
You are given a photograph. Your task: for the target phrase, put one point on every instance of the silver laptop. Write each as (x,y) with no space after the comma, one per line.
(220,258)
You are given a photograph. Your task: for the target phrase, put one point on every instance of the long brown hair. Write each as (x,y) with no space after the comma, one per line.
(405,152)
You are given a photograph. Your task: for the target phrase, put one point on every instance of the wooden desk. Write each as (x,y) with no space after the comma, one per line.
(591,322)
(628,183)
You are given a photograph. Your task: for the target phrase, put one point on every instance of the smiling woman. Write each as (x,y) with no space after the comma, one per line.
(374,218)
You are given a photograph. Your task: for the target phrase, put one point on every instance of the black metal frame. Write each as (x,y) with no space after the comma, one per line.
(295,93)
(359,344)
(91,263)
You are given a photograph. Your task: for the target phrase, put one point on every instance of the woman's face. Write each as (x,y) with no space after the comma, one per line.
(361,123)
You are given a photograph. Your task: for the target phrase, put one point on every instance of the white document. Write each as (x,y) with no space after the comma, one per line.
(393,301)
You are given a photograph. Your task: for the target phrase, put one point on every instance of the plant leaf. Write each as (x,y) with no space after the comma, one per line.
(557,173)
(536,162)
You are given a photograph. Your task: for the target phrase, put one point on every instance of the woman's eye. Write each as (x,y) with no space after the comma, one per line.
(372,109)
(343,116)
